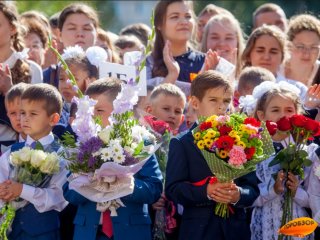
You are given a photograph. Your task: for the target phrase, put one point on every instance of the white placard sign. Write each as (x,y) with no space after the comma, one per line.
(107,69)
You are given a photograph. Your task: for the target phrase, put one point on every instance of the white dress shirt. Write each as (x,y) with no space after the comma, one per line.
(44,199)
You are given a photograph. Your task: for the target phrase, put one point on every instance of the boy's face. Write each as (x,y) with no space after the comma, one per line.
(167,108)
(103,108)
(13,113)
(66,89)
(191,116)
(215,101)
(35,121)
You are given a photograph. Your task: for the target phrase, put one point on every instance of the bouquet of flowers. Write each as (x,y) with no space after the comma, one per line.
(232,146)
(104,160)
(164,221)
(33,167)
(293,158)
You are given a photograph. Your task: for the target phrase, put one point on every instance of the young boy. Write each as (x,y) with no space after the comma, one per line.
(40,109)
(167,103)
(12,103)
(211,93)
(133,221)
(250,77)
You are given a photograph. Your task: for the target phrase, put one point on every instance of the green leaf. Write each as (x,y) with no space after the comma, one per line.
(138,149)
(307,162)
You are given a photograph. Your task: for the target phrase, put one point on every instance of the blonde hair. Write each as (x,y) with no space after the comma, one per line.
(265,99)
(303,22)
(168,89)
(272,31)
(222,19)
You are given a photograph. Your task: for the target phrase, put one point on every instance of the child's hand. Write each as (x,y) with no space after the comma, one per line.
(5,79)
(160,203)
(14,191)
(278,185)
(211,61)
(292,183)
(312,99)
(171,64)
(4,189)
(223,192)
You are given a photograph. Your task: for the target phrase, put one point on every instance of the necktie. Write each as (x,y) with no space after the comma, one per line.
(33,144)
(107,224)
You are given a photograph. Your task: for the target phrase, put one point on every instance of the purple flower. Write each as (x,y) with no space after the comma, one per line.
(130,160)
(87,148)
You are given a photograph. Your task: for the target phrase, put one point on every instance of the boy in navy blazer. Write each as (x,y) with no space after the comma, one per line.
(211,93)
(133,221)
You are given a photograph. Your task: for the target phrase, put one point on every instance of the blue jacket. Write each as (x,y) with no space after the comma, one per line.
(133,221)
(186,165)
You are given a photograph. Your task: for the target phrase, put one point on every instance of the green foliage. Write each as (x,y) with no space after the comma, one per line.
(68,140)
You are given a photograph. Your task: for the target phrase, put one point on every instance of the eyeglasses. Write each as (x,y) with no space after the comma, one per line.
(304,49)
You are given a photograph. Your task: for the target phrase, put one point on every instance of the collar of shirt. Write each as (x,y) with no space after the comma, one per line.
(46,140)
(21,139)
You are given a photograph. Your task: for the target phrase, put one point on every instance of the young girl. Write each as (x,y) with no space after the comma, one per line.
(223,34)
(11,48)
(304,45)
(275,101)
(266,48)
(172,51)
(78,25)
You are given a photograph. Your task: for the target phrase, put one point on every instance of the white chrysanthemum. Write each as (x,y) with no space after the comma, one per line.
(51,164)
(96,55)
(72,52)
(104,134)
(37,157)
(116,149)
(25,154)
(119,158)
(15,158)
(106,154)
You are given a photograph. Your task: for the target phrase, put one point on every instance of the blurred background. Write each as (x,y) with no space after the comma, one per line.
(116,14)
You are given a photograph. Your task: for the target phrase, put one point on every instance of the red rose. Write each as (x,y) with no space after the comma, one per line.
(284,124)
(225,142)
(205,125)
(252,121)
(272,127)
(298,121)
(224,130)
(250,152)
(311,125)
(161,127)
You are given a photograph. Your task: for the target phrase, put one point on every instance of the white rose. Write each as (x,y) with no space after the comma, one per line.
(25,154)
(15,158)
(37,156)
(104,135)
(51,164)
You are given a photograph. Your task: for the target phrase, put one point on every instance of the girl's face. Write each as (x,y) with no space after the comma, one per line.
(78,29)
(305,49)
(178,23)
(36,49)
(266,53)
(277,108)
(66,89)
(6,31)
(222,38)
(201,23)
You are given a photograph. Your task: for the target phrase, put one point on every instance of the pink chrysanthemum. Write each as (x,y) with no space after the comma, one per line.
(237,156)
